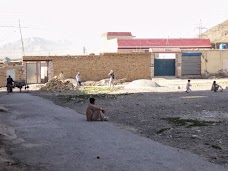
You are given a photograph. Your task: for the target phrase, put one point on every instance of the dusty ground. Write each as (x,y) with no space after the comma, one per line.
(196,121)
(7,163)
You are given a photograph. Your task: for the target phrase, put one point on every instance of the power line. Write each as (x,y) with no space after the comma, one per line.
(200,28)
(13,27)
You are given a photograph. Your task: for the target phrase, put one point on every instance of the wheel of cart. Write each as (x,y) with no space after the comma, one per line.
(19,84)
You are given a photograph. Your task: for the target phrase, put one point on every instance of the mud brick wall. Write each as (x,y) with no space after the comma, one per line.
(96,67)
(3,76)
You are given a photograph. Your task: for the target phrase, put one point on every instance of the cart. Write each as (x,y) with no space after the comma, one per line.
(19,84)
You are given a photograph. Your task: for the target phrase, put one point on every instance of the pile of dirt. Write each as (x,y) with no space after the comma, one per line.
(217,33)
(142,84)
(57,85)
(104,82)
(73,81)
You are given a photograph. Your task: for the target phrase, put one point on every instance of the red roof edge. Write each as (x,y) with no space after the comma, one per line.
(186,42)
(119,34)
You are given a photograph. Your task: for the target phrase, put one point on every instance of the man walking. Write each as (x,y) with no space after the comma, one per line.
(188,86)
(9,84)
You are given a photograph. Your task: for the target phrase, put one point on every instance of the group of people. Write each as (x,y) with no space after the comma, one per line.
(79,82)
(215,87)
(78,78)
(94,113)
(111,78)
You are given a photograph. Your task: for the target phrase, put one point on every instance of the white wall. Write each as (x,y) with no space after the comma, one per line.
(110,46)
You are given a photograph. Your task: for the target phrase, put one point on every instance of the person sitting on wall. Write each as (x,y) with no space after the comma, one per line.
(215,87)
(95,113)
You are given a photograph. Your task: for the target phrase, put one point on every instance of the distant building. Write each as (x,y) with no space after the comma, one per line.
(125,42)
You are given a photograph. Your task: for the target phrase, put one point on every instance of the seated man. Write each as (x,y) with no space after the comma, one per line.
(94,113)
(215,87)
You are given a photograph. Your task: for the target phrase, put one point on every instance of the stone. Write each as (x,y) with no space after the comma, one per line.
(3,109)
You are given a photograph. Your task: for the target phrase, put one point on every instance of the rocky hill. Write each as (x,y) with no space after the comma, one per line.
(217,33)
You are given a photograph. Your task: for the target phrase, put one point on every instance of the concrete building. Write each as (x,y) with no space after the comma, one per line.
(109,40)
(125,42)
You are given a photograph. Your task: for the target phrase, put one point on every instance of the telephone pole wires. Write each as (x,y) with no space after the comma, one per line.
(22,43)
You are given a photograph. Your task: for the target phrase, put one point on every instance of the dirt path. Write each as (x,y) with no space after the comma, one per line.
(56,138)
(197,122)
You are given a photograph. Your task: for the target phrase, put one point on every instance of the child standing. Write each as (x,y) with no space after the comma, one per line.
(111,78)
(188,86)
(78,79)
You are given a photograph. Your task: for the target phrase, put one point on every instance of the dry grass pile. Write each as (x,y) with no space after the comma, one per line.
(57,85)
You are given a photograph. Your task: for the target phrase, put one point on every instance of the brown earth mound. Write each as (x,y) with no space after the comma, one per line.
(57,85)
(104,82)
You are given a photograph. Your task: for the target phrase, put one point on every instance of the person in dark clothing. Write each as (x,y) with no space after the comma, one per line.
(215,87)
(9,84)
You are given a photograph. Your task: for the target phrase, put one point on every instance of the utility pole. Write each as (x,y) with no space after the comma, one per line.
(84,50)
(23,50)
(200,28)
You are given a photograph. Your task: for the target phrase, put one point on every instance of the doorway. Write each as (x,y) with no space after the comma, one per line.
(37,72)
(11,72)
(164,64)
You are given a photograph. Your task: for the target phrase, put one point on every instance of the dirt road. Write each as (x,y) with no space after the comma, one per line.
(53,138)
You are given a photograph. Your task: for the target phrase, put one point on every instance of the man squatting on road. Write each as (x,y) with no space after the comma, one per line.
(95,113)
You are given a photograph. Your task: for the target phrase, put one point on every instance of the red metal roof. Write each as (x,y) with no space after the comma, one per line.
(191,42)
(119,34)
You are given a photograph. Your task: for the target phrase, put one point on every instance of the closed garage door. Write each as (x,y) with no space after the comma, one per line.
(164,67)
(191,63)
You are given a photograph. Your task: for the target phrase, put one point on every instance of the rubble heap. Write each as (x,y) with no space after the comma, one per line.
(104,82)
(57,85)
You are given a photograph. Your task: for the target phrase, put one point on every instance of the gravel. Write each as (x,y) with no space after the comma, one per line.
(195,121)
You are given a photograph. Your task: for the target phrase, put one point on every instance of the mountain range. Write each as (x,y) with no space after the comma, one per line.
(35,46)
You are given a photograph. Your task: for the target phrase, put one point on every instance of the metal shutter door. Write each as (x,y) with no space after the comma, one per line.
(191,63)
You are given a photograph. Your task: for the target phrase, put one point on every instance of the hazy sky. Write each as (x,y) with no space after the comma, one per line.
(83,21)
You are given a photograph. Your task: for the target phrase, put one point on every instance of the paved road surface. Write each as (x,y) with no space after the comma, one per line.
(59,139)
